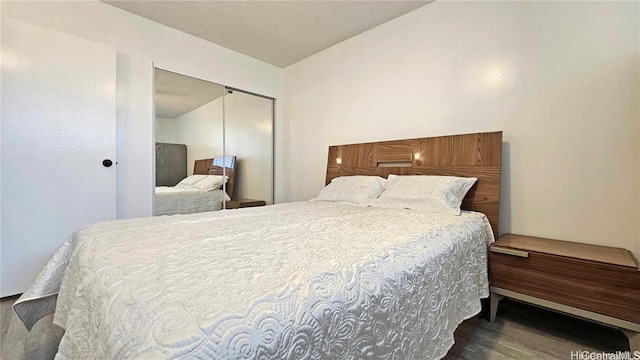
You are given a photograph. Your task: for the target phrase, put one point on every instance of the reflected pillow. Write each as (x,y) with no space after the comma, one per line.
(355,190)
(440,194)
(190,180)
(210,182)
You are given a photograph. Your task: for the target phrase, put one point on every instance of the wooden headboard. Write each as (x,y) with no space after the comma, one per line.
(471,155)
(206,167)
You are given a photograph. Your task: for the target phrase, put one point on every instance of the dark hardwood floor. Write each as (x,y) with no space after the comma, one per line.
(522,331)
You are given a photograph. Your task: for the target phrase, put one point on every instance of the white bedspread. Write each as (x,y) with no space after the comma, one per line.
(185,200)
(308,280)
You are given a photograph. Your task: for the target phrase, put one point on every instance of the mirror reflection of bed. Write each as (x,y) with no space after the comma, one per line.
(211,183)
(198,120)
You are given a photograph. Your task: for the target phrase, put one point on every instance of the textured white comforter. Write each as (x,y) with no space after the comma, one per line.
(185,200)
(309,280)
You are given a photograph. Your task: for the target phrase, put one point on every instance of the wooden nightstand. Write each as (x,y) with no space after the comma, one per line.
(598,283)
(243,203)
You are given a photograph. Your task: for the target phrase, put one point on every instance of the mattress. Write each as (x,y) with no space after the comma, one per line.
(307,280)
(180,200)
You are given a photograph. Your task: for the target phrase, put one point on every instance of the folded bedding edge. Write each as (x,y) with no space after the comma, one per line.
(30,310)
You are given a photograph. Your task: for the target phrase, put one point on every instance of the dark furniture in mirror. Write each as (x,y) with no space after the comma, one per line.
(171,163)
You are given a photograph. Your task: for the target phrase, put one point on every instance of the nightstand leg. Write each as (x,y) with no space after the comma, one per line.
(495,299)
(634,340)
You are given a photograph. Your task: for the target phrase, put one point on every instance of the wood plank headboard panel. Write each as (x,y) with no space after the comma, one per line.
(469,155)
(206,167)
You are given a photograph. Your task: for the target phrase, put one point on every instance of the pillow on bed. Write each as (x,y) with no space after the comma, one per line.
(190,180)
(210,182)
(440,194)
(355,190)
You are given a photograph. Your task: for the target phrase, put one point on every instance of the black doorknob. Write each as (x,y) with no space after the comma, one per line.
(107,163)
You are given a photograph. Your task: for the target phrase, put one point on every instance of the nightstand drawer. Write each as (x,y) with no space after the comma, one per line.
(601,288)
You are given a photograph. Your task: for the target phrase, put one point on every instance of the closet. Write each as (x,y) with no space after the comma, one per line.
(214,121)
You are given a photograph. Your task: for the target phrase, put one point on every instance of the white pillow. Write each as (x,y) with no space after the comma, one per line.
(210,182)
(355,190)
(441,194)
(190,180)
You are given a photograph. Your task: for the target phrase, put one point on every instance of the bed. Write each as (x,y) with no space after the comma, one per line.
(185,199)
(306,280)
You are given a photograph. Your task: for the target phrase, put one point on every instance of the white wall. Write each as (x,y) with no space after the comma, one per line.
(140,43)
(165,130)
(201,130)
(561,79)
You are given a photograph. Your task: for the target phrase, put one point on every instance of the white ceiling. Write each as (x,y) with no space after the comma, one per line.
(178,94)
(277,32)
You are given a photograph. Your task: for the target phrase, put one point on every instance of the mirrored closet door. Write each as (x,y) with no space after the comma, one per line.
(248,131)
(214,145)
